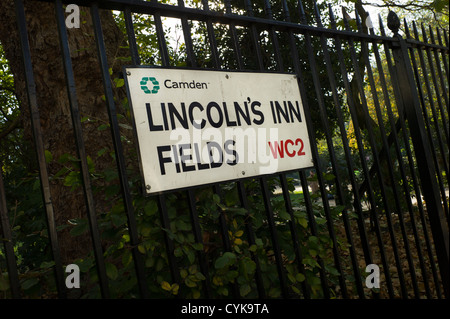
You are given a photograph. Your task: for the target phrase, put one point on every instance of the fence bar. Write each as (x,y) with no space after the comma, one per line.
(318,90)
(255,36)
(373,144)
(251,239)
(436,86)
(39,145)
(435,120)
(444,57)
(425,115)
(357,199)
(78,134)
(161,39)
(273,234)
(212,37)
(225,237)
(412,168)
(389,163)
(367,173)
(441,78)
(240,184)
(234,36)
(313,227)
(134,237)
(131,36)
(5,232)
(165,223)
(294,233)
(274,37)
(338,178)
(303,180)
(187,37)
(401,163)
(422,150)
(199,239)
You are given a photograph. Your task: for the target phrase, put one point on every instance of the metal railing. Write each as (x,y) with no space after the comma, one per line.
(399,84)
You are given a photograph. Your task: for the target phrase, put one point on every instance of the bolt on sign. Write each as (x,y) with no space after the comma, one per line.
(196,127)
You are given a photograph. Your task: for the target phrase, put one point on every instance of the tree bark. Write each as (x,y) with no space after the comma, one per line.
(53,101)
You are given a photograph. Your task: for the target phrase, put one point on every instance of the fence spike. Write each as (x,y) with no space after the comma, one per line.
(393,22)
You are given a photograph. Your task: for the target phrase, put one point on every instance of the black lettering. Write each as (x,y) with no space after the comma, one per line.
(200,165)
(169,86)
(150,119)
(238,110)
(163,160)
(191,115)
(164,114)
(257,112)
(215,145)
(227,119)
(273,112)
(284,112)
(177,161)
(182,119)
(208,114)
(295,111)
(231,152)
(186,157)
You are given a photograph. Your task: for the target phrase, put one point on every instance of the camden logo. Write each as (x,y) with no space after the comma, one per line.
(145,88)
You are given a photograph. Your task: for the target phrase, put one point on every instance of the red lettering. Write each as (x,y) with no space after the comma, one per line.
(277,148)
(286,148)
(280,147)
(300,151)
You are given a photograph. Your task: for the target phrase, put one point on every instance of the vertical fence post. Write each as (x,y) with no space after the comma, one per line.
(423,152)
(6,238)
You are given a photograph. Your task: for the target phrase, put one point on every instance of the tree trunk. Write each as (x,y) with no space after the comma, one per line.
(53,101)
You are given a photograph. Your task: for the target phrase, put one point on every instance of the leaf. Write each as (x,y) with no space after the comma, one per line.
(80,228)
(244,290)
(300,277)
(226,259)
(199,276)
(166,286)
(48,156)
(198,246)
(175,288)
(141,249)
(111,271)
(239,233)
(183,273)
(102,127)
(190,283)
(47,264)
(119,82)
(4,283)
(303,222)
(216,198)
(29,283)
(196,294)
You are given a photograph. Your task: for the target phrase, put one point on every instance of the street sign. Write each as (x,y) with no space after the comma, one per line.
(196,127)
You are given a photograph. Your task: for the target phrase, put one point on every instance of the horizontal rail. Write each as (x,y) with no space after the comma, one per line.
(143,7)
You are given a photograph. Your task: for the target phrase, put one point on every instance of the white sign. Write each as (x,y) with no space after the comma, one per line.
(196,127)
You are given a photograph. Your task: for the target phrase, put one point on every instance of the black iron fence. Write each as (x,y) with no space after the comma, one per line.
(376,102)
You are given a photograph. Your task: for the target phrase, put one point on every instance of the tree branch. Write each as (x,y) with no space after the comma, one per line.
(11,127)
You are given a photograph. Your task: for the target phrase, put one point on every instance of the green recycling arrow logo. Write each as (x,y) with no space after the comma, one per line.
(144,87)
